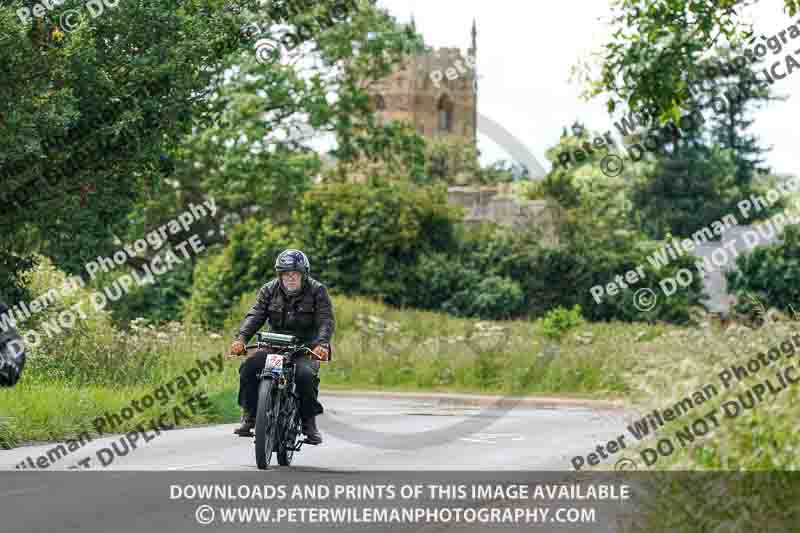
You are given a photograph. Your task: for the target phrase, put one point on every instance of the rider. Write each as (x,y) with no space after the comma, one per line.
(12,352)
(294,304)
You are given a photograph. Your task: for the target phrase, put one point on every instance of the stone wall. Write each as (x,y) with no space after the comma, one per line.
(495,204)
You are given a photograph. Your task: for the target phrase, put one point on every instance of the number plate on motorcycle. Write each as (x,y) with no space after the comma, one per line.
(274,361)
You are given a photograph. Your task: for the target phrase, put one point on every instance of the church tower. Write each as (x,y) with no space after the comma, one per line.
(435,92)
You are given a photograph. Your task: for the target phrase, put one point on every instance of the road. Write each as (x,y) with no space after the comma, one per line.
(371,432)
(369,440)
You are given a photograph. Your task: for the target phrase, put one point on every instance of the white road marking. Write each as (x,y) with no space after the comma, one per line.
(23,491)
(191,466)
(491,438)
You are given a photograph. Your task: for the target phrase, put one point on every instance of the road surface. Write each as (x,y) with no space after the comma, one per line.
(370,432)
(142,490)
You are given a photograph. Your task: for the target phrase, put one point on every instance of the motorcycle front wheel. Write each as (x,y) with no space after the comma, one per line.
(289,432)
(266,423)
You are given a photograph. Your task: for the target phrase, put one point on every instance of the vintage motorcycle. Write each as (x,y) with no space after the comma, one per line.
(278,425)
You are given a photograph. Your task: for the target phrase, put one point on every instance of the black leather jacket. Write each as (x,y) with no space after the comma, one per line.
(12,351)
(308,315)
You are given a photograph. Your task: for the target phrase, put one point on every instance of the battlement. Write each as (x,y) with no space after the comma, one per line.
(447,108)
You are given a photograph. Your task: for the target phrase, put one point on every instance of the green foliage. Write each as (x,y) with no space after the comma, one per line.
(89,113)
(653,55)
(255,153)
(14,265)
(503,171)
(243,266)
(157,303)
(655,47)
(564,276)
(772,273)
(116,126)
(730,127)
(93,351)
(742,461)
(469,279)
(584,190)
(367,240)
(559,321)
(559,185)
(548,277)
(492,297)
(438,276)
(681,196)
(452,160)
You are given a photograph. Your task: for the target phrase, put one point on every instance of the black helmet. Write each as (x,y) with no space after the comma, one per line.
(293,261)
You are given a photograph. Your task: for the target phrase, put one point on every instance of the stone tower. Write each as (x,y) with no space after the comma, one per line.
(436,92)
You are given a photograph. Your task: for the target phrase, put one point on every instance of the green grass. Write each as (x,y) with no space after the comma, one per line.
(95,368)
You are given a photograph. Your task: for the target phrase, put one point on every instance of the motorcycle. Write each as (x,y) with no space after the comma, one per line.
(278,424)
(12,353)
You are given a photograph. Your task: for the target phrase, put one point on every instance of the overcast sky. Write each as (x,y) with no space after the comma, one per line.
(525,52)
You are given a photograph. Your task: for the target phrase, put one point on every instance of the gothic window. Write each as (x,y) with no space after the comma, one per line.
(445,109)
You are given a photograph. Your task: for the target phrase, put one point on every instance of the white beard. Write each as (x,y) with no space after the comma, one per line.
(290,292)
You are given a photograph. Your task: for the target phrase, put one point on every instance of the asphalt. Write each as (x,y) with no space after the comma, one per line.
(374,432)
(367,438)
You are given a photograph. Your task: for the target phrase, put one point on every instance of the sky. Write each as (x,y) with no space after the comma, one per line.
(526,49)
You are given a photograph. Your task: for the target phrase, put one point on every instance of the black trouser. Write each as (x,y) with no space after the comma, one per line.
(306,377)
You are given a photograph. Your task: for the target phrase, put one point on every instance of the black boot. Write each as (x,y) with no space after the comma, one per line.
(248,423)
(311,432)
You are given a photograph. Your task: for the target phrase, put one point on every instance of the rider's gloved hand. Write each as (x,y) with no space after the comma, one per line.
(238,348)
(321,352)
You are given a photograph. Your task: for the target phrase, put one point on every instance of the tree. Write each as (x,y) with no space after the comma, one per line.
(452,160)
(594,200)
(730,126)
(683,194)
(652,58)
(258,158)
(86,115)
(113,128)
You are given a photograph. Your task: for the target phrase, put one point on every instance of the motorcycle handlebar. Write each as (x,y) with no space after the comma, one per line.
(293,348)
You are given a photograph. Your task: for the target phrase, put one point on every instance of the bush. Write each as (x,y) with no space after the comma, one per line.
(92,351)
(564,276)
(493,297)
(558,185)
(438,277)
(546,277)
(245,264)
(368,240)
(682,195)
(560,320)
(772,273)
(157,303)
